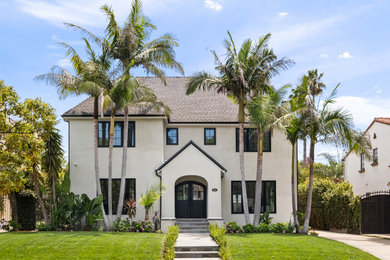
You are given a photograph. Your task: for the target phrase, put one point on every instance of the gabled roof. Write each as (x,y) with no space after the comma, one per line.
(185,147)
(201,106)
(382,120)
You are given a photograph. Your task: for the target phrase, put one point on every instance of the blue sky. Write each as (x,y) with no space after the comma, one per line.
(347,40)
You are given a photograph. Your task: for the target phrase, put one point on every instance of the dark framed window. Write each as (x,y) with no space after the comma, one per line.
(172,136)
(116,183)
(250,140)
(268,196)
(210,136)
(104,134)
(362,158)
(131,136)
(375,156)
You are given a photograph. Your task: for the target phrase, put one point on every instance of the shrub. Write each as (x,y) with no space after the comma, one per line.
(249,228)
(263,228)
(122,225)
(13,225)
(141,226)
(333,205)
(265,218)
(218,234)
(233,227)
(26,211)
(279,227)
(169,243)
(44,227)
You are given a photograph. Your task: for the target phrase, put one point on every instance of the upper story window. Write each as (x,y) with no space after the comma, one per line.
(104,134)
(172,136)
(210,136)
(250,140)
(375,156)
(362,158)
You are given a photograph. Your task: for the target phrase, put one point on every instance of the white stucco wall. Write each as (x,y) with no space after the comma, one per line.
(142,159)
(276,165)
(374,178)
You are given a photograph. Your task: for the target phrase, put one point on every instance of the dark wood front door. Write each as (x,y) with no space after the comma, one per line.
(190,200)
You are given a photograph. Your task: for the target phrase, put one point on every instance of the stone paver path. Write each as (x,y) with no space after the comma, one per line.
(196,245)
(378,247)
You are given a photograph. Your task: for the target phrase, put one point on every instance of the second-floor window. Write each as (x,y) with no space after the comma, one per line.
(375,156)
(209,136)
(250,140)
(104,134)
(172,136)
(362,158)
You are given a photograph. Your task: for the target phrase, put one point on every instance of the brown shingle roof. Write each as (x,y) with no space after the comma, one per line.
(383,120)
(202,106)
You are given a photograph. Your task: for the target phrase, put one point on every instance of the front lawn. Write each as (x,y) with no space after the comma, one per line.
(282,246)
(80,245)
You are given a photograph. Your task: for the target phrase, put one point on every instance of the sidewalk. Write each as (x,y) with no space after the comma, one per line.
(378,247)
(196,245)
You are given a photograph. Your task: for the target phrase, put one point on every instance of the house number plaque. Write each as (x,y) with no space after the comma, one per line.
(214,189)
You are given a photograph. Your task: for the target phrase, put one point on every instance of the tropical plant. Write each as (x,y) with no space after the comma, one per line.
(245,73)
(131,206)
(151,196)
(264,113)
(326,124)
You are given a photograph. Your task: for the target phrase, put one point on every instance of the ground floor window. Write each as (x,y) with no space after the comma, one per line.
(116,183)
(268,196)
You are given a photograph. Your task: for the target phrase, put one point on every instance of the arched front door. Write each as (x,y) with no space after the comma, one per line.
(190,200)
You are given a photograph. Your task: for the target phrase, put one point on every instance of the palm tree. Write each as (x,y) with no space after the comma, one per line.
(326,125)
(92,77)
(130,45)
(244,74)
(151,196)
(264,113)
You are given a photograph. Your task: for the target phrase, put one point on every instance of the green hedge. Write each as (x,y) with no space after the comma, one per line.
(218,234)
(169,242)
(26,211)
(333,205)
(278,227)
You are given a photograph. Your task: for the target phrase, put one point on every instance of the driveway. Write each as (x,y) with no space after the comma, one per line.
(378,247)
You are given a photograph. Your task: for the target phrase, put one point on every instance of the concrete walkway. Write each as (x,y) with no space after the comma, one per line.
(378,247)
(196,245)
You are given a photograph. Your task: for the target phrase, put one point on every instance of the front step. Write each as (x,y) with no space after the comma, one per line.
(193,225)
(196,254)
(195,248)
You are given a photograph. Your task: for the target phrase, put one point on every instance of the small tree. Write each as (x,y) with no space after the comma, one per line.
(151,195)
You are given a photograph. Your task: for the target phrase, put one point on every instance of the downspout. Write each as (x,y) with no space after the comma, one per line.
(158,173)
(296,166)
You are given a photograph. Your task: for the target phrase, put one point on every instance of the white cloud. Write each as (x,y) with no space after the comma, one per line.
(363,109)
(213,5)
(324,55)
(379,91)
(282,14)
(345,55)
(64,63)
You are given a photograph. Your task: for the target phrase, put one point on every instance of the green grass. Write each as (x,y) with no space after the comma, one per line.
(80,245)
(289,246)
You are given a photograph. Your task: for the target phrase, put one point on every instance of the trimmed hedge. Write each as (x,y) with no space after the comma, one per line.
(169,243)
(26,211)
(333,205)
(218,234)
(126,225)
(233,227)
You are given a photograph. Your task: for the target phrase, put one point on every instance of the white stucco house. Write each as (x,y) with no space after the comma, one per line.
(374,175)
(193,152)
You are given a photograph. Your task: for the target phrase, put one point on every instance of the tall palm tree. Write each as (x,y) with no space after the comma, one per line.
(244,74)
(92,77)
(326,125)
(132,47)
(264,112)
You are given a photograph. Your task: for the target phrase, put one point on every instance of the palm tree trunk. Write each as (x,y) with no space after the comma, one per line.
(146,214)
(293,190)
(124,163)
(96,155)
(241,118)
(259,178)
(110,144)
(34,176)
(309,190)
(304,152)
(53,190)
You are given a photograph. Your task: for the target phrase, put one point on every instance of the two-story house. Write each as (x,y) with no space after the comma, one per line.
(193,152)
(371,175)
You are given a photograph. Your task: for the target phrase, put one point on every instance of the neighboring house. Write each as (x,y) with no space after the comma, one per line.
(371,175)
(5,208)
(194,152)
